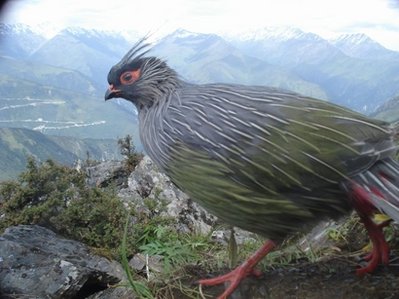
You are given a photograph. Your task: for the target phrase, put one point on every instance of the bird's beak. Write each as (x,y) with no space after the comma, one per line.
(111,93)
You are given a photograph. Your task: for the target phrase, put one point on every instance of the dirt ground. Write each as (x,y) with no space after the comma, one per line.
(332,278)
(330,275)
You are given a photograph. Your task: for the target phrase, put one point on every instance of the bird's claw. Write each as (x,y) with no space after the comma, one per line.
(247,268)
(234,278)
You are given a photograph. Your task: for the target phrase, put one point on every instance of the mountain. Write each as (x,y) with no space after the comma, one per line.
(349,81)
(55,85)
(359,45)
(90,52)
(205,58)
(388,111)
(19,40)
(59,101)
(285,46)
(17,144)
(62,100)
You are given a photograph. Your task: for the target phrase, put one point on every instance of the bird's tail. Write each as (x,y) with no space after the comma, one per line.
(379,187)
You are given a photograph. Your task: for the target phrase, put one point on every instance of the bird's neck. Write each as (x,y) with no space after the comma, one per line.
(150,128)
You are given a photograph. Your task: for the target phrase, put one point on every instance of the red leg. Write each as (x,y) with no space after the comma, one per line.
(242,271)
(380,252)
(381,225)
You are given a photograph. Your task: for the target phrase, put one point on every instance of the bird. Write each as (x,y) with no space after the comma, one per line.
(265,159)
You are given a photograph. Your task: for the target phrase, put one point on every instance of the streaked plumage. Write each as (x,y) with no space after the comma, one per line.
(267,160)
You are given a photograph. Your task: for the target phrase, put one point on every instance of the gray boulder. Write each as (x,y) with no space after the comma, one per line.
(106,173)
(37,263)
(146,182)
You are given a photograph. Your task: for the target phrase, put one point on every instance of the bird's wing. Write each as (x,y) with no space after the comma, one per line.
(279,140)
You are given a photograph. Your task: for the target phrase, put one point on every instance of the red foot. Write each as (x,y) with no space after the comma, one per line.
(374,252)
(380,252)
(242,271)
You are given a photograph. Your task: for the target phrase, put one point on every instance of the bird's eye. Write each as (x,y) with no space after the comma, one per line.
(129,77)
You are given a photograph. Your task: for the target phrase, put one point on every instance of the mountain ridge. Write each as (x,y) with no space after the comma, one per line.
(17,144)
(360,45)
(208,58)
(358,83)
(56,85)
(285,57)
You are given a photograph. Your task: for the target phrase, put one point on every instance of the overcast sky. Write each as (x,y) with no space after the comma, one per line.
(377,18)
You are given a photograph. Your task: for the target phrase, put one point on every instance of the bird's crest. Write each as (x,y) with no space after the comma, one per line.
(141,48)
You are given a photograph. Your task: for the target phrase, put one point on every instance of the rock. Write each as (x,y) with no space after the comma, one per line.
(37,263)
(114,293)
(144,263)
(241,236)
(102,174)
(318,238)
(146,182)
(137,262)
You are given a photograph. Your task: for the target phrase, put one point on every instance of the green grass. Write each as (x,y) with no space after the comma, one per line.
(57,197)
(140,289)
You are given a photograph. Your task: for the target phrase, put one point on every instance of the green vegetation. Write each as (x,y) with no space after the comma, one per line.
(139,288)
(40,194)
(57,197)
(156,237)
(129,152)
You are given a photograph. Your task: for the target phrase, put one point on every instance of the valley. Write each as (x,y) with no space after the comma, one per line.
(55,85)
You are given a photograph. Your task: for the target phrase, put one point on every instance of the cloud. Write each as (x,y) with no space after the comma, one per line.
(359,26)
(393,4)
(214,16)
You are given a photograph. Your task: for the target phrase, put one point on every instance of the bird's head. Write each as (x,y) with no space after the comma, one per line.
(141,80)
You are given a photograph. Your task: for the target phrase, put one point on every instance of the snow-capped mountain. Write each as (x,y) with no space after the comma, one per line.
(91,52)
(11,29)
(280,33)
(183,33)
(347,78)
(353,39)
(360,45)
(54,80)
(285,46)
(19,40)
(277,56)
(67,74)
(47,29)
(206,58)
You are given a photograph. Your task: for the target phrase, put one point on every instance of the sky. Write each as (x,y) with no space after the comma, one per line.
(379,19)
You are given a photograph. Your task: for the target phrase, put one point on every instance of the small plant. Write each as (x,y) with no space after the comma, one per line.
(128,150)
(96,219)
(139,288)
(40,193)
(160,239)
(89,161)
(336,234)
